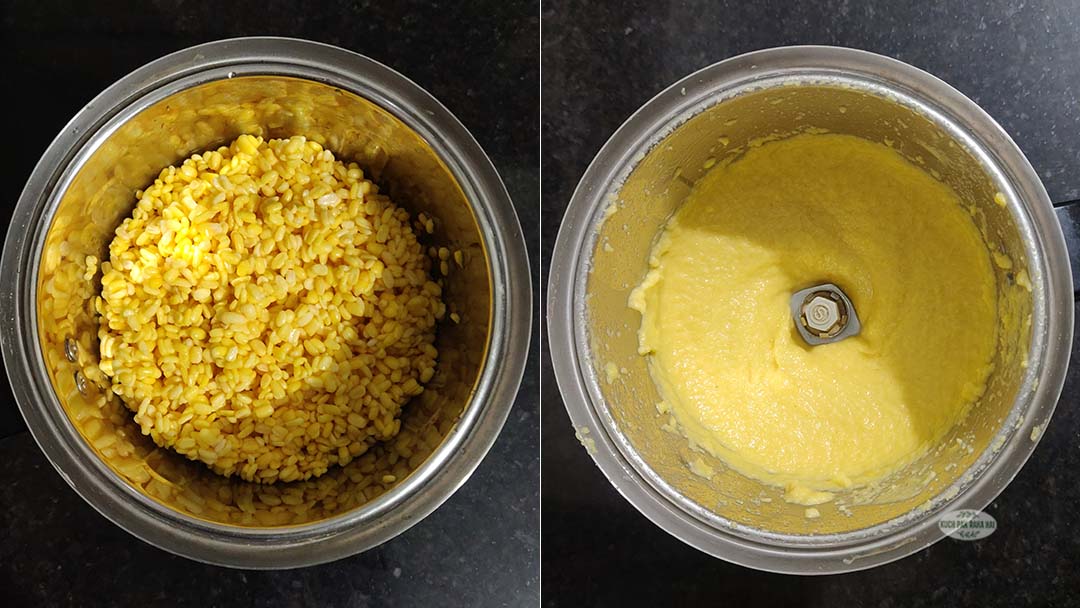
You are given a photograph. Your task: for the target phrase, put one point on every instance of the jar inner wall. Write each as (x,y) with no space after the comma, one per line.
(634,213)
(102,193)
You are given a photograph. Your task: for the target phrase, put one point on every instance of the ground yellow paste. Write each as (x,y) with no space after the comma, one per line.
(724,351)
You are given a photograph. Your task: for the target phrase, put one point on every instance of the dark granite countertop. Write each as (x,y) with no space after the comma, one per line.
(1021,62)
(479,549)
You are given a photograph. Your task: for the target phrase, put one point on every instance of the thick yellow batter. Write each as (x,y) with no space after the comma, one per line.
(723,348)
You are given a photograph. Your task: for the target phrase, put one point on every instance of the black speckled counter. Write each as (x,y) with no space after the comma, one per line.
(479,549)
(1021,62)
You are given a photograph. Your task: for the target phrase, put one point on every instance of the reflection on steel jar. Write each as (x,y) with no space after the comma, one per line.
(198,99)
(645,171)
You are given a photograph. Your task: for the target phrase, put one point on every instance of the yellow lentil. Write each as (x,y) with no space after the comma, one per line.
(251,306)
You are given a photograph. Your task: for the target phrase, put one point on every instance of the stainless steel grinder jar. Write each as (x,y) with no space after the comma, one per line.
(646,170)
(198,99)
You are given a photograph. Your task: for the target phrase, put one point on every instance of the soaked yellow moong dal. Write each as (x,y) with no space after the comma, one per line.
(722,345)
(265,310)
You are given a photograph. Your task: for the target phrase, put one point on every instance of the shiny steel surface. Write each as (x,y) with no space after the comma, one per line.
(644,172)
(197,99)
